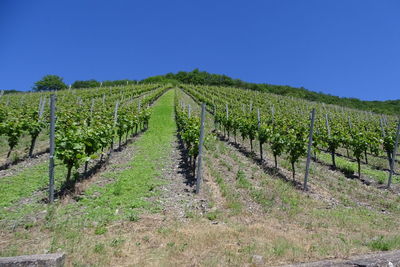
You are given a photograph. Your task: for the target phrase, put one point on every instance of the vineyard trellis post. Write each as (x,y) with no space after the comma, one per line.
(382,129)
(258,127)
(40,105)
(41,108)
(199,171)
(92,107)
(310,140)
(328,128)
(52,146)
(272,113)
(115,122)
(327,125)
(227,118)
(350,129)
(214,113)
(394,155)
(350,124)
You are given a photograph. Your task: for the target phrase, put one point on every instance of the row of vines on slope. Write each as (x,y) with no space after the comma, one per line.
(188,125)
(87,122)
(284,124)
(20,118)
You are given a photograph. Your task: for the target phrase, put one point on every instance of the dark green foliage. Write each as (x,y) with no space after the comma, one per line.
(93,83)
(12,91)
(118,82)
(204,78)
(160,79)
(50,83)
(85,84)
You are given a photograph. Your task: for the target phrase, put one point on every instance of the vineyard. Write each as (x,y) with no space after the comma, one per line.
(280,177)
(87,123)
(283,125)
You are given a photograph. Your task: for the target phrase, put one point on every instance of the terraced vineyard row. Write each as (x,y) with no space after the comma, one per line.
(283,124)
(89,122)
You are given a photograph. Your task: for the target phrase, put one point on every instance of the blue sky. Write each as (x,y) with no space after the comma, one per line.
(343,47)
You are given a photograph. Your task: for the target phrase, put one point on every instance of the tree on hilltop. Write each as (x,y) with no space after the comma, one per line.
(50,83)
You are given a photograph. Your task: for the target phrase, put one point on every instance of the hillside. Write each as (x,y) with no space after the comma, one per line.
(204,78)
(196,77)
(131,197)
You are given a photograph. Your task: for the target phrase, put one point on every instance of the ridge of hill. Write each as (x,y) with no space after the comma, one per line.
(197,77)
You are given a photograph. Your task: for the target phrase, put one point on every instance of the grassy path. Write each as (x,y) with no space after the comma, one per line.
(139,181)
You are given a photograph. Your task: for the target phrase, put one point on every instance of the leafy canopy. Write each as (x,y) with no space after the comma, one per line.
(49,83)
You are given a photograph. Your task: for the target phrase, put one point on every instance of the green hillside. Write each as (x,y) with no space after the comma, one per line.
(204,78)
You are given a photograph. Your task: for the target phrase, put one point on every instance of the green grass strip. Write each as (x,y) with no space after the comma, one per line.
(126,196)
(351,167)
(22,185)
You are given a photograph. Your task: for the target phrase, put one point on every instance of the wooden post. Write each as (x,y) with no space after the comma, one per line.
(92,107)
(116,112)
(327,125)
(258,127)
(227,118)
(350,124)
(382,129)
(52,146)
(385,120)
(394,156)
(272,113)
(40,105)
(215,113)
(310,139)
(199,171)
(115,122)
(43,103)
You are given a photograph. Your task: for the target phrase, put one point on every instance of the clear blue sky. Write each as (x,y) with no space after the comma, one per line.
(343,47)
